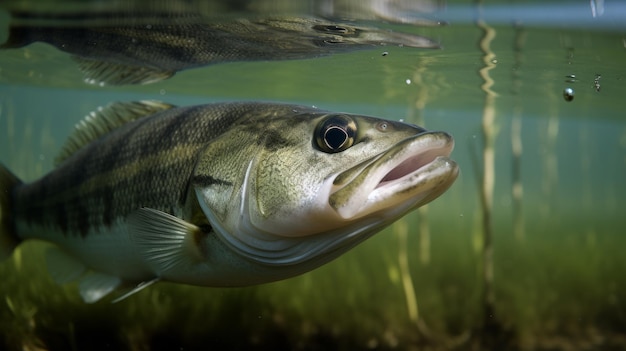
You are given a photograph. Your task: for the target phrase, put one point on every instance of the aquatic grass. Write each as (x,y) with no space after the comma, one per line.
(448,288)
(561,287)
(400,230)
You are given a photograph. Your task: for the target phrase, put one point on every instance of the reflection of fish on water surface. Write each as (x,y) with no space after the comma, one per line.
(124,49)
(226,194)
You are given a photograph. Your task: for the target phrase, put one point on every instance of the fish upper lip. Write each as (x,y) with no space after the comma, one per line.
(416,168)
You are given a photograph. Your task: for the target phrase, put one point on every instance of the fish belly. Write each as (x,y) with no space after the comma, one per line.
(109,251)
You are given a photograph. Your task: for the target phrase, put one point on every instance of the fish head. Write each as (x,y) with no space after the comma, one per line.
(317,182)
(303,33)
(338,36)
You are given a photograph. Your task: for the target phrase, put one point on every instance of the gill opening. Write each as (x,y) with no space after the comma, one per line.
(243,206)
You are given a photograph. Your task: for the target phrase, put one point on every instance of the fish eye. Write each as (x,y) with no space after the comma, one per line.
(335,133)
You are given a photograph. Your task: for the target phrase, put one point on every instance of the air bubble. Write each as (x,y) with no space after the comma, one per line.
(568,94)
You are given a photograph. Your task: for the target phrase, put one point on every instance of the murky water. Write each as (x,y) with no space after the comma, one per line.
(523,252)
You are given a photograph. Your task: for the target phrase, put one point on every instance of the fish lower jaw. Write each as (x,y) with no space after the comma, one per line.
(411,190)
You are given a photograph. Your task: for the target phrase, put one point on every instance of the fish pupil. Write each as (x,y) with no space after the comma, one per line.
(335,137)
(335,134)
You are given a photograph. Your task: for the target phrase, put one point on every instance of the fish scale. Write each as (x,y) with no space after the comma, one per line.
(97,170)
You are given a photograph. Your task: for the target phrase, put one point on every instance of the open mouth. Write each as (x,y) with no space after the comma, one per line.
(412,165)
(410,174)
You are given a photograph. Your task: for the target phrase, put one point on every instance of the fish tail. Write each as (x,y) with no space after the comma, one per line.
(8,236)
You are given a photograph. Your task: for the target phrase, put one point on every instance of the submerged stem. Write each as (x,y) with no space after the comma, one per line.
(491,333)
(401,230)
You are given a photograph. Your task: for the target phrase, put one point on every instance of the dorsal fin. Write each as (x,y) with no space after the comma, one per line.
(109,73)
(106,119)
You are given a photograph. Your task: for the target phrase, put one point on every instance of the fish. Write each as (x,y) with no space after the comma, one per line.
(218,195)
(131,48)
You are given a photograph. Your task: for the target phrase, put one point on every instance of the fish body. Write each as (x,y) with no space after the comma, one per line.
(125,49)
(228,194)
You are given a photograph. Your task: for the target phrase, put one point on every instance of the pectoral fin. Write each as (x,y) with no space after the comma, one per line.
(168,243)
(135,289)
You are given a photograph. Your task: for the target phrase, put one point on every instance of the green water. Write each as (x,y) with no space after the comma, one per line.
(558,262)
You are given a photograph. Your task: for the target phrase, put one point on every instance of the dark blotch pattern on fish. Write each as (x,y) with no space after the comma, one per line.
(131,168)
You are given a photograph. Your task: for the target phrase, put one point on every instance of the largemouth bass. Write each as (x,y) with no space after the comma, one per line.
(228,194)
(118,49)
